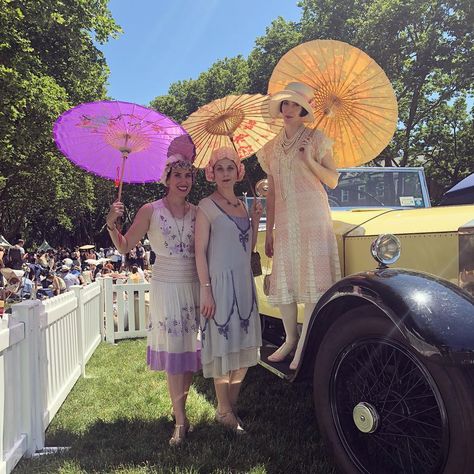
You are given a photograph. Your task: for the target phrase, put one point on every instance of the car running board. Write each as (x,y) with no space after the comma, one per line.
(281,369)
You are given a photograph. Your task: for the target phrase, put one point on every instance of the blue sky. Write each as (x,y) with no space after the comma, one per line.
(167,41)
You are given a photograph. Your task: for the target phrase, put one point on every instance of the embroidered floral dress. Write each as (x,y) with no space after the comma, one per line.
(305,256)
(173,329)
(232,339)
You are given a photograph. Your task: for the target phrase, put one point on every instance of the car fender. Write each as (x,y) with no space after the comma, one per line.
(435,316)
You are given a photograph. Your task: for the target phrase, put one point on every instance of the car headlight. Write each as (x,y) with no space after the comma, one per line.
(386,249)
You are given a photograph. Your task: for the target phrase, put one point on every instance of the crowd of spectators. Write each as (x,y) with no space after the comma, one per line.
(41,273)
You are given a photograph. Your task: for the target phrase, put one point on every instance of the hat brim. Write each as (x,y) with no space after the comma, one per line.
(279,97)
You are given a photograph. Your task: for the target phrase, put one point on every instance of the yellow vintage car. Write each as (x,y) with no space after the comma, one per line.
(390,347)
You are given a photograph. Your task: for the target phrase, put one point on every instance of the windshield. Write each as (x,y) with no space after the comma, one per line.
(376,187)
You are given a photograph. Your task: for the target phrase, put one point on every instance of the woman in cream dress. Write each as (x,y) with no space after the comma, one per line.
(298,161)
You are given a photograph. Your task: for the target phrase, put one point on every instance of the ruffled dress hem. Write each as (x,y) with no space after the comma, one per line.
(221,366)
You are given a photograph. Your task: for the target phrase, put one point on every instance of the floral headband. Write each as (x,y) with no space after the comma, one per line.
(175,161)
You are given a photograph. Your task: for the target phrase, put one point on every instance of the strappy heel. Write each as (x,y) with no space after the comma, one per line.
(282,352)
(187,424)
(229,420)
(179,434)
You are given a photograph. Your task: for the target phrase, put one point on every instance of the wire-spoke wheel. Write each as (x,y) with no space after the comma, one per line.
(387,410)
(384,409)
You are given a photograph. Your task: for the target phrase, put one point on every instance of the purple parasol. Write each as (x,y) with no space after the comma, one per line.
(117,140)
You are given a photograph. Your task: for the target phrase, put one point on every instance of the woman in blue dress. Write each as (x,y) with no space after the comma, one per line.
(225,235)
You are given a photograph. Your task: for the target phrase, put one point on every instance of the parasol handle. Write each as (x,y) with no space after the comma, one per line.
(246,175)
(124,159)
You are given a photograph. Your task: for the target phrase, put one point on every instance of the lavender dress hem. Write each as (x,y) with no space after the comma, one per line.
(174,363)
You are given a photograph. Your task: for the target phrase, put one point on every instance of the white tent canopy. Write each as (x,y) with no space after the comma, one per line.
(4,242)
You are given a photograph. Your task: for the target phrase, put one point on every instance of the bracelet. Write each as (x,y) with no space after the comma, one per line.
(205,284)
(110,229)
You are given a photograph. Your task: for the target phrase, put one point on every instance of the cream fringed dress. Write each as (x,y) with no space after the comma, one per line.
(232,339)
(305,257)
(173,329)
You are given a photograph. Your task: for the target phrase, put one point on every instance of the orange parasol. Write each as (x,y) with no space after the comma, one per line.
(354,102)
(241,121)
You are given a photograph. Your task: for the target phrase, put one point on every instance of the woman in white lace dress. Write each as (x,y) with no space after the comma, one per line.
(173,344)
(298,161)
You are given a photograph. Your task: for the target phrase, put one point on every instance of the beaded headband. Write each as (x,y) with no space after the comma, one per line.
(176,161)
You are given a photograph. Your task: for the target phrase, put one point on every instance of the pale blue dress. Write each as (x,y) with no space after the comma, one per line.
(232,339)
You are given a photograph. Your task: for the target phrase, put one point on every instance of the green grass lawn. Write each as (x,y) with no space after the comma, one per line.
(117,419)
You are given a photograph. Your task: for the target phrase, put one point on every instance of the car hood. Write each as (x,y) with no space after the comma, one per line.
(396,221)
(346,221)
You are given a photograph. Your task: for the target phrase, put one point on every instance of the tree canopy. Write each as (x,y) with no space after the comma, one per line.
(48,63)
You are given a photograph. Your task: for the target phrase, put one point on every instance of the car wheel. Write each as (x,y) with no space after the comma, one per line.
(382,408)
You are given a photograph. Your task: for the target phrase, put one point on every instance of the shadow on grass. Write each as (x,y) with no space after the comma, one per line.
(281,437)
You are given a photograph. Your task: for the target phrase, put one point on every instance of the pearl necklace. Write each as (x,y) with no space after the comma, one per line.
(227,201)
(284,161)
(287,143)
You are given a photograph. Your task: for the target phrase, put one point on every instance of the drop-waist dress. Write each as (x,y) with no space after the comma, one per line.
(172,341)
(305,257)
(232,339)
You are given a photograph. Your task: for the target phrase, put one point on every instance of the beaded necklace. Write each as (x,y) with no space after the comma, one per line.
(227,201)
(285,161)
(180,232)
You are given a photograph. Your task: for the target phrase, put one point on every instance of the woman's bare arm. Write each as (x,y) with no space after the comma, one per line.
(201,242)
(138,229)
(270,217)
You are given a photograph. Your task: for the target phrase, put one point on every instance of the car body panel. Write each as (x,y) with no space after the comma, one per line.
(428,237)
(431,253)
(411,221)
(420,305)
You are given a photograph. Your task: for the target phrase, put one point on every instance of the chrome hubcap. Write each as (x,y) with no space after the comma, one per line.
(365,417)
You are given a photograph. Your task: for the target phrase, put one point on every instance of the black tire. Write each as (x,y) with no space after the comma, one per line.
(425,411)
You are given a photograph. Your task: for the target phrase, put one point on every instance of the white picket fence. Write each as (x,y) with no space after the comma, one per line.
(44,347)
(126,309)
